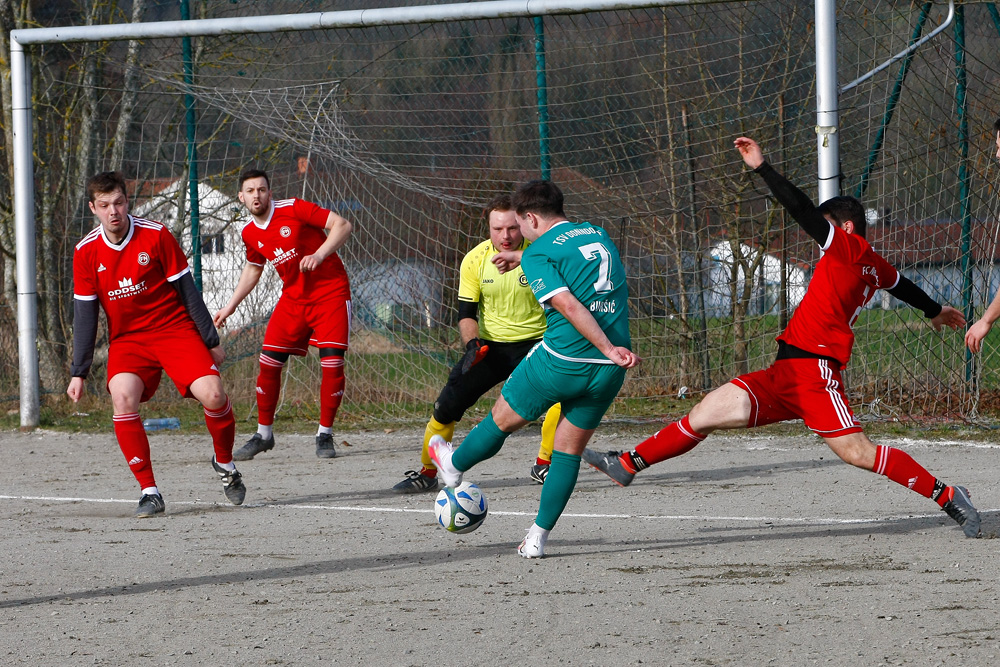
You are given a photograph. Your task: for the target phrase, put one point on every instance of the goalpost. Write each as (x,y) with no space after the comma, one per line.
(408,119)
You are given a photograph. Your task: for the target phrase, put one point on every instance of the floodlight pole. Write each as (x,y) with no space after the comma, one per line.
(24,225)
(827,103)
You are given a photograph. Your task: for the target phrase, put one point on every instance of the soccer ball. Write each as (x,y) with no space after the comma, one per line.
(461,509)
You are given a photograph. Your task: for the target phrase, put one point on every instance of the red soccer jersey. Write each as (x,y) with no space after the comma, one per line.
(845,280)
(132,279)
(295,229)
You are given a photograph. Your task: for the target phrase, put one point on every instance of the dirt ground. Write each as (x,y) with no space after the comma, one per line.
(751,550)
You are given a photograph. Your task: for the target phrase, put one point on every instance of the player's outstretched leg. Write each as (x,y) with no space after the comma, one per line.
(901,468)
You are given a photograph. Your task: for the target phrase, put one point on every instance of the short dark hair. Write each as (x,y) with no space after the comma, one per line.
(542,197)
(843,209)
(996,126)
(105,182)
(254,173)
(499,203)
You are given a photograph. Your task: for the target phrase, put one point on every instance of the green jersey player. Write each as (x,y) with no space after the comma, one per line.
(575,271)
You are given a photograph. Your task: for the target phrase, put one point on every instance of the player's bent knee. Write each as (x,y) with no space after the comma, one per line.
(209,392)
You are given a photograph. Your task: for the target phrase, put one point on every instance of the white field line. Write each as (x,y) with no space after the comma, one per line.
(819,521)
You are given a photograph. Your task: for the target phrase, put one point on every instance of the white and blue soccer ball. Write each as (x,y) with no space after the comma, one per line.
(461,509)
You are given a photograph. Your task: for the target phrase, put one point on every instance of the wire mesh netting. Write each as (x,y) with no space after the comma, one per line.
(409,130)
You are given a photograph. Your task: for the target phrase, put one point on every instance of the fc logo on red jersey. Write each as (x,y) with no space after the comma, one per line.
(285,232)
(143,259)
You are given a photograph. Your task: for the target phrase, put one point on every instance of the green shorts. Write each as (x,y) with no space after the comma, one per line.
(586,391)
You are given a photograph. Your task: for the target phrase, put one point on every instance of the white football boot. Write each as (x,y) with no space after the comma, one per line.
(533,544)
(440,451)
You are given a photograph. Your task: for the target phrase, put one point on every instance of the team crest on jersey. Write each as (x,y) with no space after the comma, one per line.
(143,259)
(523,280)
(285,232)
(101,267)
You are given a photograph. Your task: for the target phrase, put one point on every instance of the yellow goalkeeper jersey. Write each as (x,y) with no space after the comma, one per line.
(508,310)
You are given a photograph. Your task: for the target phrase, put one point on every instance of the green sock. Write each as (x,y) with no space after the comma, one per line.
(483,442)
(559,484)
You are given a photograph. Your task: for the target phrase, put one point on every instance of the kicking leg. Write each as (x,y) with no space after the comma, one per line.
(900,467)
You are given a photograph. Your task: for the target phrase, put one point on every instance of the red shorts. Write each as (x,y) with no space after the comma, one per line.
(807,389)
(294,326)
(179,352)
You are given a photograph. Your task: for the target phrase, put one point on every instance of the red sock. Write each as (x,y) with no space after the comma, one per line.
(135,446)
(429,472)
(268,388)
(542,462)
(222,427)
(331,389)
(900,467)
(674,440)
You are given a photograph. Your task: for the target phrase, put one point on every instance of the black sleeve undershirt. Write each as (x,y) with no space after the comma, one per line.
(197,309)
(468,310)
(798,205)
(908,292)
(84,336)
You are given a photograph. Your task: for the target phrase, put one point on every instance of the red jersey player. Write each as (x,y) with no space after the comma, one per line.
(157,322)
(300,240)
(804,381)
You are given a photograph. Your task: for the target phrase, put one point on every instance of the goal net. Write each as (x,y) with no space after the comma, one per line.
(408,130)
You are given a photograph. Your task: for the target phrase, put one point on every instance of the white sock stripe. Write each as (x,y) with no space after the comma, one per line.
(124,418)
(332,362)
(882,459)
(268,361)
(226,409)
(688,433)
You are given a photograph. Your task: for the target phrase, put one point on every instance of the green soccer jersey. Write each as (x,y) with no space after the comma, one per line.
(582,259)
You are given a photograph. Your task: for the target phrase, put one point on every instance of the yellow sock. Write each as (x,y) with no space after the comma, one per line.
(549,434)
(434,427)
